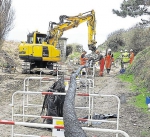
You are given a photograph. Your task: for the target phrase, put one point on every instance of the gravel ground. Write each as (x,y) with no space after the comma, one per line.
(132,120)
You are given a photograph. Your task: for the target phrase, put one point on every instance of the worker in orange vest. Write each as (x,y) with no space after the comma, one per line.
(108,60)
(131,56)
(83,59)
(101,62)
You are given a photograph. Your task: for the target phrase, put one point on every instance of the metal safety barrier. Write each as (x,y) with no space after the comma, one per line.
(58,127)
(26,82)
(23,115)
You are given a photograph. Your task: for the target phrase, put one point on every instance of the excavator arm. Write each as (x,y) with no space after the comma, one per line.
(68,22)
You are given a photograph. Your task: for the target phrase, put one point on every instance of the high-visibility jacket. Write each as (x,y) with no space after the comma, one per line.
(131,57)
(101,60)
(125,57)
(102,63)
(83,60)
(108,61)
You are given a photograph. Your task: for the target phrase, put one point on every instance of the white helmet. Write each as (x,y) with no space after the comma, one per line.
(125,50)
(121,51)
(131,49)
(109,50)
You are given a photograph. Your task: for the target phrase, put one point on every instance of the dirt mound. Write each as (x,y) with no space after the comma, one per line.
(11,48)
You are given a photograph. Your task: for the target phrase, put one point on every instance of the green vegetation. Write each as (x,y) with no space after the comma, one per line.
(136,38)
(138,74)
(127,78)
(133,8)
(144,133)
(139,100)
(116,55)
(74,55)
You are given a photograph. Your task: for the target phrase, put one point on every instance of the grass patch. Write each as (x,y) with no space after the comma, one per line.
(139,100)
(127,78)
(144,133)
(74,55)
(116,55)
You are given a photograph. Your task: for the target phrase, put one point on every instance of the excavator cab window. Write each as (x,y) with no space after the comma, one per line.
(30,38)
(40,38)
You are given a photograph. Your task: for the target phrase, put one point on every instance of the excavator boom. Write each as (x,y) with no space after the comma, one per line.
(69,22)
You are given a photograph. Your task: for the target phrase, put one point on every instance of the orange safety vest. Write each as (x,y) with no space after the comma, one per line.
(82,60)
(102,63)
(108,60)
(131,57)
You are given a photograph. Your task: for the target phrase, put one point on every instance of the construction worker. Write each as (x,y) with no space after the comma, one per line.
(108,60)
(131,56)
(83,59)
(101,62)
(120,57)
(121,52)
(125,59)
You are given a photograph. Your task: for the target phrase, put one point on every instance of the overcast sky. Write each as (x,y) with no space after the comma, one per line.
(34,15)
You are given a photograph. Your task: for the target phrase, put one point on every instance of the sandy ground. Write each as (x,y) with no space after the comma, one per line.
(132,120)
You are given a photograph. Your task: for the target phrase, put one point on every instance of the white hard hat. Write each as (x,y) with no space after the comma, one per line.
(131,49)
(125,50)
(121,51)
(109,49)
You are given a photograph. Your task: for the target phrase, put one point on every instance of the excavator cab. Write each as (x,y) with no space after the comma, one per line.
(36,38)
(37,53)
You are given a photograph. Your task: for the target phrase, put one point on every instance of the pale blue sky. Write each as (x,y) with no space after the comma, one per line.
(34,15)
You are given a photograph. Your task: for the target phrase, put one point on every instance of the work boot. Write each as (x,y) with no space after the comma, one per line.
(108,70)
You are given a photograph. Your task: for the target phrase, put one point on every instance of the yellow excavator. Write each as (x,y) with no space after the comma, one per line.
(40,50)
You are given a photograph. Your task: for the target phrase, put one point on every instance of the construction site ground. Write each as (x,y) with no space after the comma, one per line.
(132,120)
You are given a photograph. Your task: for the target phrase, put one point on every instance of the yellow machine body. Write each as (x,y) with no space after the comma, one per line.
(33,50)
(40,49)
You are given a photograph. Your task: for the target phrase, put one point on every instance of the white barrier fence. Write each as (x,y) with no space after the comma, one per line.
(88,89)
(58,127)
(23,115)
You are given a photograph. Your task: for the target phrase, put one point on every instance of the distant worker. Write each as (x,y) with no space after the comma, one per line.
(125,59)
(120,57)
(83,59)
(108,60)
(121,52)
(131,56)
(101,62)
